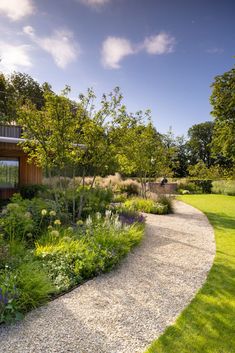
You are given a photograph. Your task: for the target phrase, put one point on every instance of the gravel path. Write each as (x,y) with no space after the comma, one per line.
(123,311)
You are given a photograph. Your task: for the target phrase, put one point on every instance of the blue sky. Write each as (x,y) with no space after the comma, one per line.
(163,54)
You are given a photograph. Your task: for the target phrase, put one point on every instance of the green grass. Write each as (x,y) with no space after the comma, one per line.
(207,325)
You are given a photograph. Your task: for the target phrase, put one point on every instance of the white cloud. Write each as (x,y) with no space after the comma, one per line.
(59,45)
(14,57)
(94,3)
(159,44)
(114,49)
(16,9)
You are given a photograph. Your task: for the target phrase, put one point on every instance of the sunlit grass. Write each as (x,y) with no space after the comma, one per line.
(207,325)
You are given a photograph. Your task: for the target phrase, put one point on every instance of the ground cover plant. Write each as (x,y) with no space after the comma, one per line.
(207,324)
(43,252)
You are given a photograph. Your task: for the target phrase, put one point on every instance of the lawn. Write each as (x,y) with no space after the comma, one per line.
(207,325)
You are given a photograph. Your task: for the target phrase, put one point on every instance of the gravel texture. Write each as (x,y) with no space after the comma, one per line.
(123,311)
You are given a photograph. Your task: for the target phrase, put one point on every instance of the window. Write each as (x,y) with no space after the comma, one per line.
(9,172)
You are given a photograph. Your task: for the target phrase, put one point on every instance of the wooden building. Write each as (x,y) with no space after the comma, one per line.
(14,169)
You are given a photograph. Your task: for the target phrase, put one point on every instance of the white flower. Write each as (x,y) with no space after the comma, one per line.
(98,215)
(55,233)
(108,213)
(89,221)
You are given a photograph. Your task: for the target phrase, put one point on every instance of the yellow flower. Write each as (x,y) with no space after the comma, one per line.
(50,227)
(79,222)
(43,212)
(57,222)
(52,213)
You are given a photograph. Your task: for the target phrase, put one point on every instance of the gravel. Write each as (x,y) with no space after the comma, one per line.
(123,311)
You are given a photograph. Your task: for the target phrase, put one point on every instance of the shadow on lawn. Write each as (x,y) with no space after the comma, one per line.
(220,221)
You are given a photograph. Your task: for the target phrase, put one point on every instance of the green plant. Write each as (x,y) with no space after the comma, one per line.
(95,246)
(33,284)
(226,187)
(16,222)
(31,191)
(130,187)
(166,201)
(146,205)
(9,294)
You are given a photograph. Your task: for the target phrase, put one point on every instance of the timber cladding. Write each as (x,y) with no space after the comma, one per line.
(29,174)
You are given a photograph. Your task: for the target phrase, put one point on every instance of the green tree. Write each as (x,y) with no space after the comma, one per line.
(223,102)
(140,150)
(199,143)
(15,90)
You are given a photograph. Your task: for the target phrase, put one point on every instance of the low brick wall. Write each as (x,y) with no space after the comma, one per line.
(169,188)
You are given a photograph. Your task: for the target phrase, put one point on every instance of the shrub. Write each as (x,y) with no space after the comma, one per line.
(16,222)
(226,187)
(23,282)
(118,198)
(129,217)
(33,284)
(92,248)
(166,201)
(26,219)
(31,191)
(9,295)
(146,205)
(130,187)
(195,186)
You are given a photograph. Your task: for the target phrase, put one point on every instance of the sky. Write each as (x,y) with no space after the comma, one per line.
(163,54)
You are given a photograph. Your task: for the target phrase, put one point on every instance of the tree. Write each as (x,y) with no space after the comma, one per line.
(15,91)
(223,102)
(177,152)
(139,146)
(199,144)
(181,157)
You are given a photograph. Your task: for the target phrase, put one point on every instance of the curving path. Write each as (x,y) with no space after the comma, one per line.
(123,311)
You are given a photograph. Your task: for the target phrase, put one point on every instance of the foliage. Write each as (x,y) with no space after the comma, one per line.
(96,246)
(223,102)
(202,186)
(31,191)
(147,205)
(14,91)
(23,282)
(129,217)
(225,187)
(33,284)
(140,150)
(8,297)
(200,170)
(199,144)
(25,219)
(130,187)
(95,199)
(207,324)
(16,222)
